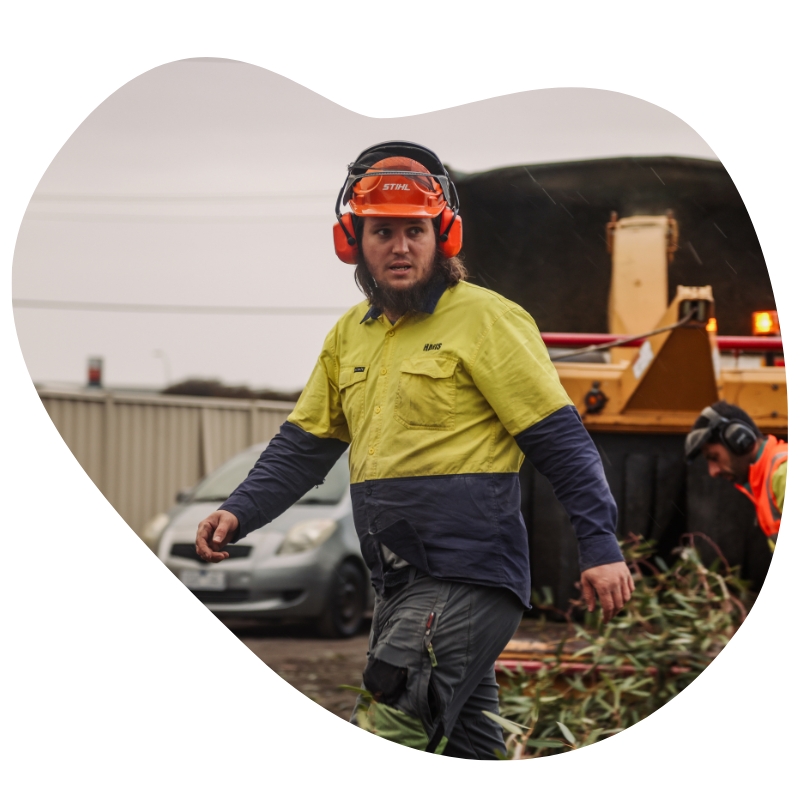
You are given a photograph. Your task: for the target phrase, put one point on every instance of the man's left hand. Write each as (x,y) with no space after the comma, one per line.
(612,584)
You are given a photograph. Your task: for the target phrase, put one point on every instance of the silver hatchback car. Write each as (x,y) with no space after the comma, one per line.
(306,564)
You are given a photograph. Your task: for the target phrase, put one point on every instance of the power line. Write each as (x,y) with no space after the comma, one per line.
(153,308)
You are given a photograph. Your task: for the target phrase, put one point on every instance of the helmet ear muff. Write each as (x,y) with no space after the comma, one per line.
(450,233)
(344,239)
(738,437)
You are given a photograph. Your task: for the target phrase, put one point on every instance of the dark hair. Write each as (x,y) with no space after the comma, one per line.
(731,412)
(452,270)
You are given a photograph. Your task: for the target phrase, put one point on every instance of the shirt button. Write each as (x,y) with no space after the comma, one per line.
(383,371)
(372,451)
(377,409)
(391,333)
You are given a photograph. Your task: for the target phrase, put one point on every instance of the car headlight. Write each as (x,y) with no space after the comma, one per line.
(306,536)
(153,530)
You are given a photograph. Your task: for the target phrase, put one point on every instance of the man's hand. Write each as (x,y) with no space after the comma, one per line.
(613,584)
(213,533)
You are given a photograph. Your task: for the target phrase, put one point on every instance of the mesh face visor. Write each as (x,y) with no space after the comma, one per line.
(396,187)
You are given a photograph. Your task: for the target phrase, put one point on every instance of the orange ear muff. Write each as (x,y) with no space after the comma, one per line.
(451,246)
(346,251)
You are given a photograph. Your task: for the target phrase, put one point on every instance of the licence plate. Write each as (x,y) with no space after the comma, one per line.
(203,579)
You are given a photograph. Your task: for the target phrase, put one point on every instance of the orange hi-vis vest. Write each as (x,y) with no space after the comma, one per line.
(760,484)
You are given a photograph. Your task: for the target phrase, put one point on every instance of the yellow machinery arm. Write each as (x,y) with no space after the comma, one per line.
(664,384)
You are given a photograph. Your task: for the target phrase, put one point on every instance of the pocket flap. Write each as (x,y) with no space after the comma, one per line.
(432,367)
(350,375)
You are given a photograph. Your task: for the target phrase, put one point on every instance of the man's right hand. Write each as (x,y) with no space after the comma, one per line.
(213,533)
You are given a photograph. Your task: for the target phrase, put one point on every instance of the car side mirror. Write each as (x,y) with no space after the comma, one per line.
(184,495)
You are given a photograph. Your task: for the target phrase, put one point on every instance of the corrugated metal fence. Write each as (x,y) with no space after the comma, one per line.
(141,449)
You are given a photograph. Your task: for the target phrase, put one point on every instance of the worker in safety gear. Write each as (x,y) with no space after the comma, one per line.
(735,449)
(438,387)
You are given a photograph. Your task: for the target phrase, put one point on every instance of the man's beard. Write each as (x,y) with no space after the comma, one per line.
(400,302)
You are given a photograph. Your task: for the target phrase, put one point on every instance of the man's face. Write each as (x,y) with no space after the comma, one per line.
(724,464)
(399,252)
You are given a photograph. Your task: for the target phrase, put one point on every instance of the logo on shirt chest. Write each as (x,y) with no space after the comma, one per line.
(437,346)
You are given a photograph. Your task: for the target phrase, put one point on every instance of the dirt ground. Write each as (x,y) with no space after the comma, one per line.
(317,667)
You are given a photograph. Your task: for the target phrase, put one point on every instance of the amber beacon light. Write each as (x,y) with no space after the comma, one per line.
(765,323)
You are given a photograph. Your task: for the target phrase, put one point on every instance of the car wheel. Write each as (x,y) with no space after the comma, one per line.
(344,611)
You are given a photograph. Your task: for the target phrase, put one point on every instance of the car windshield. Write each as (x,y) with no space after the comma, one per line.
(219,485)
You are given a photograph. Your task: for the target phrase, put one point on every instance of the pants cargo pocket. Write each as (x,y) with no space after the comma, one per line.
(401,702)
(384,681)
(387,683)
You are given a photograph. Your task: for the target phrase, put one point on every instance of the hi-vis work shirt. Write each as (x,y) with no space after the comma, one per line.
(766,484)
(438,410)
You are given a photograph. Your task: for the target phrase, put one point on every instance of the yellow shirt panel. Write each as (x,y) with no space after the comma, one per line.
(435,394)
(779,484)
(319,409)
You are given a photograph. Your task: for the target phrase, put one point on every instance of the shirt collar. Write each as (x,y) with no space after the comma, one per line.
(432,298)
(373,313)
(760,453)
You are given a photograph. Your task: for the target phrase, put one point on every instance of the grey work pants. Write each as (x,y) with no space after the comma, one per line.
(430,666)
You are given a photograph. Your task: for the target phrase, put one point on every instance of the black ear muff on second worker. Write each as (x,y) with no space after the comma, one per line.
(737,436)
(397,179)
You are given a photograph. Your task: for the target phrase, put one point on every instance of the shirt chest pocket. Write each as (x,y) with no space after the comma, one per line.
(352,388)
(426,393)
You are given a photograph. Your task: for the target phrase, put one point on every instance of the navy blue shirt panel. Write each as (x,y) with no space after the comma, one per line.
(292,463)
(559,446)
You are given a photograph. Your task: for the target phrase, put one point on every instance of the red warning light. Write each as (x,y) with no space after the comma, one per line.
(95,372)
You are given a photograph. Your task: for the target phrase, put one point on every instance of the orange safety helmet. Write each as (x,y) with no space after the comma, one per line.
(397,179)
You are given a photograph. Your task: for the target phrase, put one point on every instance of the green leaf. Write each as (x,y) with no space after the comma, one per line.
(506,724)
(357,689)
(592,738)
(681,615)
(537,743)
(568,735)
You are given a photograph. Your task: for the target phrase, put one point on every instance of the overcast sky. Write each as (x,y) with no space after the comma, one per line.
(210,184)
